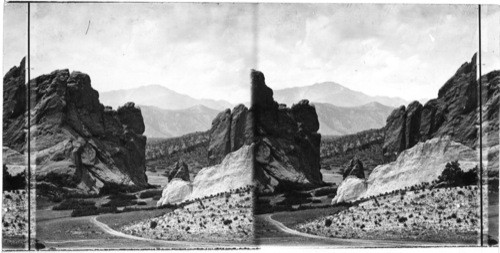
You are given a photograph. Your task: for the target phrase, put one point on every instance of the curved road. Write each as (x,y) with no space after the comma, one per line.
(130,238)
(337,242)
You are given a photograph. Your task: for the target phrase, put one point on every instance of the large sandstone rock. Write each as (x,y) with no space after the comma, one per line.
(491,96)
(235,171)
(175,192)
(454,113)
(354,168)
(229,132)
(287,142)
(14,108)
(423,162)
(76,142)
(349,190)
(180,171)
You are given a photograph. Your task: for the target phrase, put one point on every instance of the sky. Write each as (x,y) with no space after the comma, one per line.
(207,50)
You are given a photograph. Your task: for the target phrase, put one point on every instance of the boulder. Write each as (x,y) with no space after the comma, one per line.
(349,190)
(180,171)
(176,191)
(287,142)
(77,143)
(354,168)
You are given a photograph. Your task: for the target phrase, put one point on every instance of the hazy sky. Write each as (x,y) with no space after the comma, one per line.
(206,50)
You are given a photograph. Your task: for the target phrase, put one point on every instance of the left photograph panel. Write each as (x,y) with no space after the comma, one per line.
(139,132)
(15,204)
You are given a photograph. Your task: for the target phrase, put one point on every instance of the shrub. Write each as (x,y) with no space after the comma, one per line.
(122,196)
(153,224)
(227,222)
(328,222)
(92,211)
(141,203)
(402,219)
(16,182)
(119,203)
(470,177)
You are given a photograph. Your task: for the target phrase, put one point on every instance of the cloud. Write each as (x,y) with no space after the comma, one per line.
(14,36)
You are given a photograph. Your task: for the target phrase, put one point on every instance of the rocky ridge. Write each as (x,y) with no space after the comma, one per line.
(453,113)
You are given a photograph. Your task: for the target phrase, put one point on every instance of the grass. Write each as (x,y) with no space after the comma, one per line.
(71,204)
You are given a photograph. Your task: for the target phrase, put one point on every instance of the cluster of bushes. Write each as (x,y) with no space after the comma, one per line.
(17,182)
(453,175)
(70,204)
(92,210)
(150,194)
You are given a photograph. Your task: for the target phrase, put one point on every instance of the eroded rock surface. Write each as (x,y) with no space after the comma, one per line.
(76,142)
(287,143)
(180,170)
(354,168)
(453,113)
(175,192)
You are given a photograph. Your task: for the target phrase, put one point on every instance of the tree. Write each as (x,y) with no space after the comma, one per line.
(452,174)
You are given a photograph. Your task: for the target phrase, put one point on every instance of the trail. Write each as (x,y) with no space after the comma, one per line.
(353,242)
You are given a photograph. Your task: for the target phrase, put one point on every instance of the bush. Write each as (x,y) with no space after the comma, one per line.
(153,224)
(227,222)
(328,222)
(470,177)
(122,196)
(402,219)
(142,203)
(16,182)
(119,203)
(72,204)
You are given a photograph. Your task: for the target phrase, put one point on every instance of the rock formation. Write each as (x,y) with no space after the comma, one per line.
(453,113)
(14,108)
(287,142)
(491,97)
(76,142)
(349,190)
(180,170)
(229,132)
(235,171)
(354,168)
(176,191)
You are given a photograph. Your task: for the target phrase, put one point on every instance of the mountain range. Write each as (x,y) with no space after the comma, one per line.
(162,123)
(332,93)
(169,114)
(159,96)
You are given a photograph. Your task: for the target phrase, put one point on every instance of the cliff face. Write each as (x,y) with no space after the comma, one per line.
(453,113)
(76,142)
(287,151)
(14,108)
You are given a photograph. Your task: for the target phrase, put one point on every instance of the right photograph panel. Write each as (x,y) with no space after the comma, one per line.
(367,126)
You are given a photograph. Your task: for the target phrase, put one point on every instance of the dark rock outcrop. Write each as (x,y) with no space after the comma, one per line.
(287,143)
(79,144)
(14,108)
(180,170)
(354,168)
(453,113)
(229,132)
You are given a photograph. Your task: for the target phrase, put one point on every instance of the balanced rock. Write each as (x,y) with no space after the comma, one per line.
(287,142)
(354,168)
(180,171)
(77,143)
